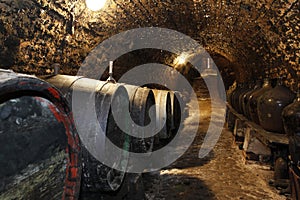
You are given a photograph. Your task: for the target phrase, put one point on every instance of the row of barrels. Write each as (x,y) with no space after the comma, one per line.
(143,103)
(262,103)
(276,109)
(84,173)
(291,120)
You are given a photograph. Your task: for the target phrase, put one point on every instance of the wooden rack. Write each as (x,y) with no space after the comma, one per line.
(257,144)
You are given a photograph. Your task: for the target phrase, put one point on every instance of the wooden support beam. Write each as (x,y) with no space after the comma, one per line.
(257,143)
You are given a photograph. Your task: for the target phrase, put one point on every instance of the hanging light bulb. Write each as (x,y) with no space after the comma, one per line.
(181,59)
(95,5)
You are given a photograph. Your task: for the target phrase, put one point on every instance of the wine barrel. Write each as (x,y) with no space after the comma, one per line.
(97,177)
(141,100)
(175,111)
(164,113)
(41,182)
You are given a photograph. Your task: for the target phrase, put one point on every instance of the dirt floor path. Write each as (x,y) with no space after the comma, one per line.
(220,175)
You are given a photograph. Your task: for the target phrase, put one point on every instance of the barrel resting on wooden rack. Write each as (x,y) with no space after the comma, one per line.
(98,177)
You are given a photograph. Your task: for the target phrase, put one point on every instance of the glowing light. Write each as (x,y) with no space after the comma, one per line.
(181,59)
(95,5)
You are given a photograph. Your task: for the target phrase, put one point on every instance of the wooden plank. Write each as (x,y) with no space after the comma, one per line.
(266,137)
(230,120)
(254,149)
(269,138)
(238,115)
(239,128)
(254,145)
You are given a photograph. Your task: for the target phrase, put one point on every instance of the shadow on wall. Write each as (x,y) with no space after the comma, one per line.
(9,50)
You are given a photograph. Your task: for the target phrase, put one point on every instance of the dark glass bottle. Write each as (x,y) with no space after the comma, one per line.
(294,148)
(291,117)
(234,94)
(270,106)
(291,122)
(252,108)
(236,97)
(249,87)
(246,98)
(230,92)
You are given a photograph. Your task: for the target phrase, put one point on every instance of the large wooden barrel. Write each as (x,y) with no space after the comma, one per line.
(97,177)
(54,177)
(164,113)
(175,111)
(141,100)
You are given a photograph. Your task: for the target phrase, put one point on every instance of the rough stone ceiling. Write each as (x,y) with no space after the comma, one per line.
(253,36)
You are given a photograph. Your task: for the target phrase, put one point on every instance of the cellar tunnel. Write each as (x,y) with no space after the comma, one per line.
(246,38)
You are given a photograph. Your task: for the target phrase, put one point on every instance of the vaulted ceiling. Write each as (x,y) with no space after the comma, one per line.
(245,37)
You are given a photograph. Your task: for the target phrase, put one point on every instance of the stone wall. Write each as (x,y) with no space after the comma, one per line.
(246,37)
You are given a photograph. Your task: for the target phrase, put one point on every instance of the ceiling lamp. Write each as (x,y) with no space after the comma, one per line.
(95,5)
(181,59)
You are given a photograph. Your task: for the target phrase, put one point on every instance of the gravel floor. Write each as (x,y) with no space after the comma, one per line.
(220,175)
